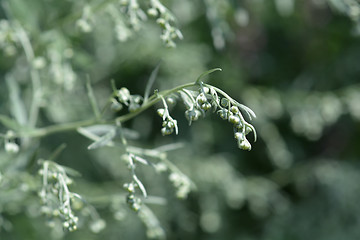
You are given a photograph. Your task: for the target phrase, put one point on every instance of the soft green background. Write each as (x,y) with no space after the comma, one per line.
(295,63)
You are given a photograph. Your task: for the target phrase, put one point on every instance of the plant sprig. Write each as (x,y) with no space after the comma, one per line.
(199,102)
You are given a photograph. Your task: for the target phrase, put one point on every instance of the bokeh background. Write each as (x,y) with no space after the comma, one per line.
(295,63)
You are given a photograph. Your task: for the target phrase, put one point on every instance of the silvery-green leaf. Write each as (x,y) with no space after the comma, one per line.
(103,140)
(9,123)
(150,83)
(17,105)
(99,130)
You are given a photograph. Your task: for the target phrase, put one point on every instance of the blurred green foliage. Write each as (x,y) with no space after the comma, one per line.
(295,63)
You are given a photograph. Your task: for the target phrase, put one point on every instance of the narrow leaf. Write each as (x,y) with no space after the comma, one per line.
(170,147)
(150,82)
(92,99)
(207,73)
(71,172)
(104,140)
(99,130)
(186,99)
(57,151)
(17,105)
(251,114)
(90,135)
(9,123)
(142,160)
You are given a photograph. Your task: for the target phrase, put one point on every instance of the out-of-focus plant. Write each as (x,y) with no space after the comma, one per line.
(293,62)
(49,63)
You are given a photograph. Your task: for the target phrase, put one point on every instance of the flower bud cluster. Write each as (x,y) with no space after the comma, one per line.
(132,200)
(123,97)
(169,124)
(8,39)
(181,183)
(241,127)
(198,103)
(206,98)
(86,21)
(134,12)
(10,144)
(164,20)
(55,195)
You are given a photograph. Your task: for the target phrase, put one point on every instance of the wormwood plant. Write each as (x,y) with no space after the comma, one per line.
(199,98)
(49,67)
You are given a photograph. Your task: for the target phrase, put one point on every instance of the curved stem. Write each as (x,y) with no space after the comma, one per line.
(247,110)
(45,131)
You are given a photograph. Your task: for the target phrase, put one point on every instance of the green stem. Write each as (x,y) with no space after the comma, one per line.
(41,132)
(34,75)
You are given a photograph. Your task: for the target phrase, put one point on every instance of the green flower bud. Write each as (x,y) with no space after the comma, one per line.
(234,119)
(223,113)
(201,99)
(205,89)
(130,199)
(152,12)
(234,109)
(161,22)
(133,107)
(129,187)
(224,102)
(137,98)
(167,131)
(170,124)
(66,225)
(239,136)
(171,101)
(192,115)
(244,144)
(161,112)
(123,94)
(116,106)
(206,106)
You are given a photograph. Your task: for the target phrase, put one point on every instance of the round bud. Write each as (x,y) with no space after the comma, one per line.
(66,225)
(136,98)
(166,131)
(234,119)
(223,113)
(224,102)
(161,22)
(234,109)
(171,101)
(201,99)
(161,112)
(116,106)
(130,199)
(244,144)
(239,136)
(123,94)
(11,147)
(152,12)
(192,115)
(133,107)
(204,89)
(73,228)
(206,106)
(170,124)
